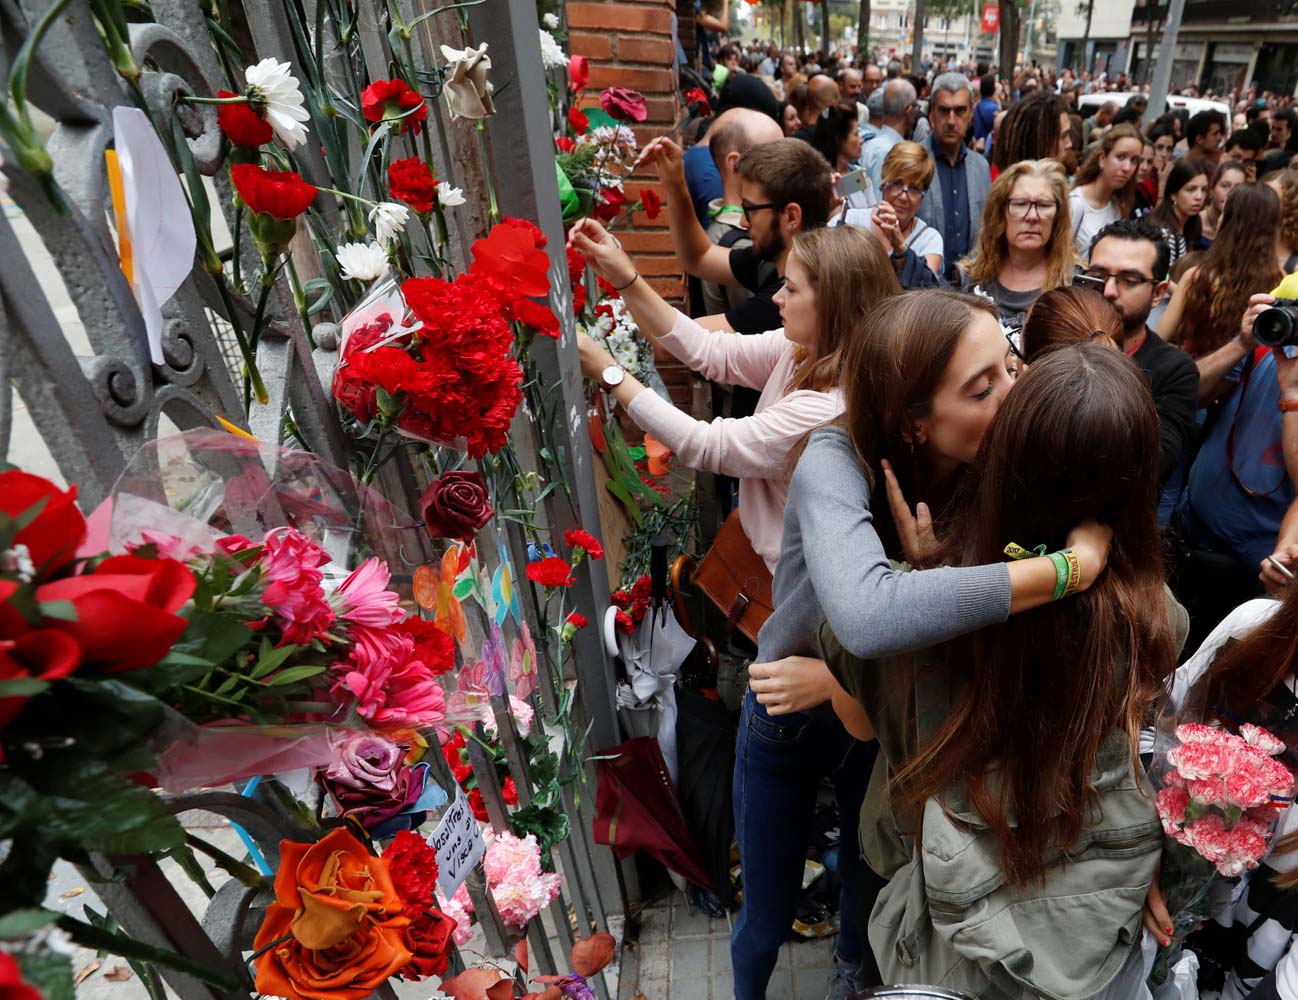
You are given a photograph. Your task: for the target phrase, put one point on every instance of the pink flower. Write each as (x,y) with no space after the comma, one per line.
(458,909)
(1207,835)
(1209,791)
(1171,802)
(1197,732)
(1256,736)
(290,562)
(167,546)
(364,599)
(1199,760)
(520,710)
(1245,847)
(1245,788)
(231,544)
(518,885)
(390,686)
(522,663)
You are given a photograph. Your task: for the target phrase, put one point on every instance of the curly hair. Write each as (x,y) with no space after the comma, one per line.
(1030,131)
(1287,183)
(1240,262)
(989,253)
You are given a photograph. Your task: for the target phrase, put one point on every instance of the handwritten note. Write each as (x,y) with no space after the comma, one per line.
(458,843)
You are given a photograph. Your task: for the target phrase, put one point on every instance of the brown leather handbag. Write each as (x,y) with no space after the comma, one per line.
(735,578)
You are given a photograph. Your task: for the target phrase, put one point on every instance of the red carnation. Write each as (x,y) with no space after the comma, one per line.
(412,863)
(651,202)
(281,194)
(565,144)
(411,181)
(434,648)
(611,202)
(578,538)
(509,792)
(578,72)
(538,237)
(552,572)
(642,588)
(539,317)
(241,124)
(510,258)
(576,620)
(624,623)
(578,120)
(392,100)
(624,104)
(620,598)
(478,806)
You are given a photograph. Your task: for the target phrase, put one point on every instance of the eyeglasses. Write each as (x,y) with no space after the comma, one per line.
(1020,207)
(1130,280)
(898,188)
(748,210)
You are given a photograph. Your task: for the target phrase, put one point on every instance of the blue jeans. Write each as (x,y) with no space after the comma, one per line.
(779,762)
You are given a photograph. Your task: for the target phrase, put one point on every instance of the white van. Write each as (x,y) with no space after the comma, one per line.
(1088,104)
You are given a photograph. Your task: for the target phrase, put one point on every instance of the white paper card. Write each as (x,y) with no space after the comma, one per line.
(458,843)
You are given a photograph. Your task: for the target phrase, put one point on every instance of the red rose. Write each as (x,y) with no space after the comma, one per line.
(411,181)
(624,104)
(428,940)
(241,124)
(509,256)
(578,120)
(456,505)
(564,144)
(12,985)
(281,194)
(43,654)
(651,202)
(125,610)
(391,100)
(577,538)
(578,72)
(53,537)
(552,572)
(509,792)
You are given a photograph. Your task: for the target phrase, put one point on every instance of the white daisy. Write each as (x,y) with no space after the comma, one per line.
(275,95)
(362,261)
(551,21)
(551,55)
(449,196)
(388,218)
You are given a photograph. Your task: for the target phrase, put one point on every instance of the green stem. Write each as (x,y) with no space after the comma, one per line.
(235,261)
(254,383)
(299,300)
(246,874)
(493,210)
(373,463)
(190,99)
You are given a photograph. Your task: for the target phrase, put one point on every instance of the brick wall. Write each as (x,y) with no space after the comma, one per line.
(629,44)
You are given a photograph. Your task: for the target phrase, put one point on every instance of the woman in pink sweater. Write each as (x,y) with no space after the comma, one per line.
(832,277)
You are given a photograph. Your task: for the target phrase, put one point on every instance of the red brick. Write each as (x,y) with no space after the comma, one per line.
(620,17)
(653,267)
(642,221)
(659,51)
(661,109)
(655,242)
(637,79)
(670,290)
(592,46)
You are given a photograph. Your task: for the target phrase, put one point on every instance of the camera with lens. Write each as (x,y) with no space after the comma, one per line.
(1278,326)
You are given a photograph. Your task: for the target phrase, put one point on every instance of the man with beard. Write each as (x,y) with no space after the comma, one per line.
(785,187)
(953,204)
(1131,257)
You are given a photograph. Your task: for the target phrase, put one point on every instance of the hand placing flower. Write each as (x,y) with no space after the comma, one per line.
(468,91)
(603,252)
(593,357)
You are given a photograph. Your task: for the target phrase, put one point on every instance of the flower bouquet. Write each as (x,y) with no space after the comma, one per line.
(1219,797)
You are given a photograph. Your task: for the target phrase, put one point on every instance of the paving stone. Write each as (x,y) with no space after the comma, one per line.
(781,986)
(690,987)
(655,959)
(808,953)
(689,959)
(686,924)
(812,982)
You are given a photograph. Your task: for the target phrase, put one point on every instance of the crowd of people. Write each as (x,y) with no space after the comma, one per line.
(1011,449)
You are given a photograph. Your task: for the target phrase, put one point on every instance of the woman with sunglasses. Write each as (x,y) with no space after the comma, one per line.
(1025,243)
(907,173)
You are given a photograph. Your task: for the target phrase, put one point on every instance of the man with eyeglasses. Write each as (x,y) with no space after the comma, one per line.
(953,205)
(1131,258)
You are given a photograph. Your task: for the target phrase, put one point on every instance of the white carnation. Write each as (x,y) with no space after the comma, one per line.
(551,55)
(276,96)
(388,218)
(551,21)
(362,261)
(449,196)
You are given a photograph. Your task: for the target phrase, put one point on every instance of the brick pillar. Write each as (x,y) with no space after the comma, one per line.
(629,44)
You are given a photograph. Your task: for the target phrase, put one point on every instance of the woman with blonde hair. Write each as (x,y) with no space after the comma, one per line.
(1104,189)
(1025,244)
(907,173)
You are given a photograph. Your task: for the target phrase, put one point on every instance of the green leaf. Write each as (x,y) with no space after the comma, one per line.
(64,611)
(22,687)
(463,589)
(119,944)
(550,826)
(292,675)
(49,972)
(21,923)
(270,659)
(89,805)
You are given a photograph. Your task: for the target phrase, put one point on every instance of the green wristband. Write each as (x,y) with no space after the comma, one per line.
(1061,574)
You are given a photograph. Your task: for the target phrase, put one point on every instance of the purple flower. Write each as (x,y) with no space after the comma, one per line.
(576,988)
(369,778)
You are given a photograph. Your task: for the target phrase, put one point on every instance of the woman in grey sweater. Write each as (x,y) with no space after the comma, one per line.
(922,383)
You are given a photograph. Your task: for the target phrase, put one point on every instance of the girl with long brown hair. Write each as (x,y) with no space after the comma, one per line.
(1104,189)
(1228,176)
(1072,315)
(1245,258)
(1016,746)
(923,377)
(1247,671)
(1185,192)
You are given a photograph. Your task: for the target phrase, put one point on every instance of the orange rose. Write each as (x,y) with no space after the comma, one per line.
(340,918)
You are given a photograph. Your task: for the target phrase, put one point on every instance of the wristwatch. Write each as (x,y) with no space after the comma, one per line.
(612,376)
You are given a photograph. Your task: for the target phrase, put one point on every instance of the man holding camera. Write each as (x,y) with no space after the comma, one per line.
(1238,505)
